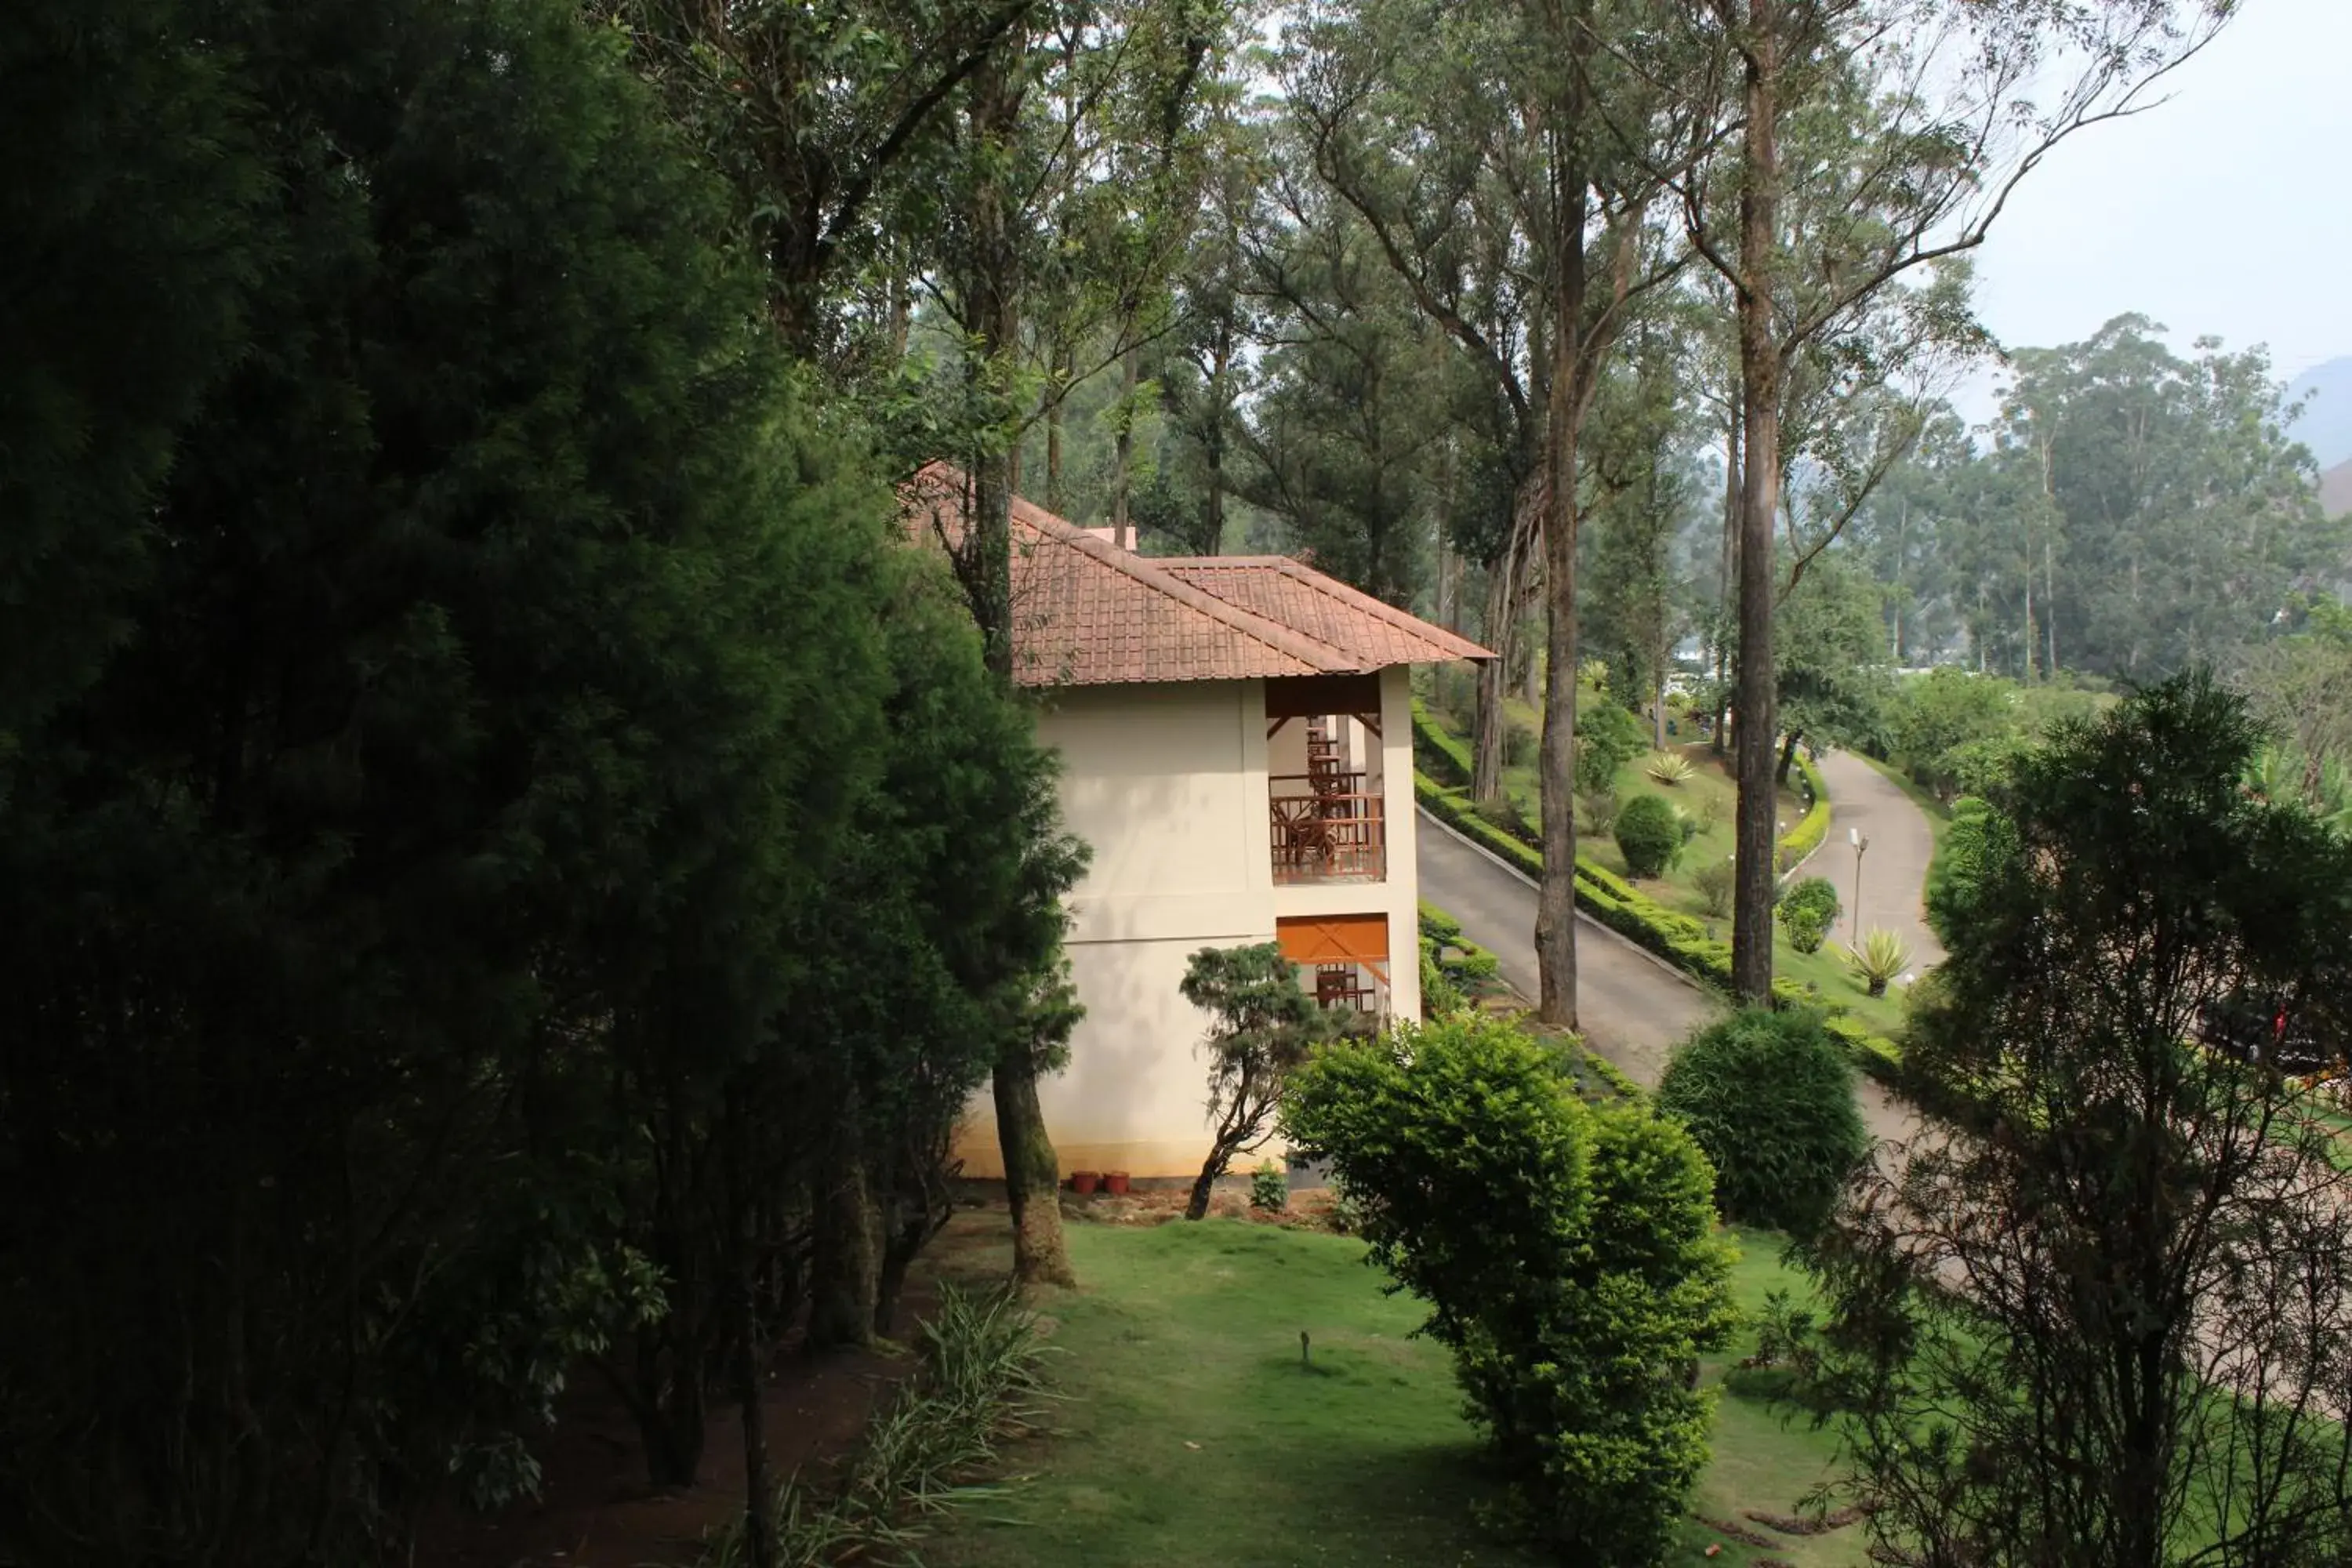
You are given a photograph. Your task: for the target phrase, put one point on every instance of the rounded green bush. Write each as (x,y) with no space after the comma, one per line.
(1649,834)
(1808,910)
(1769,1097)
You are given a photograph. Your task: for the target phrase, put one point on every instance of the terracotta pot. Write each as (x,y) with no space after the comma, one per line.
(1083,1181)
(1115,1183)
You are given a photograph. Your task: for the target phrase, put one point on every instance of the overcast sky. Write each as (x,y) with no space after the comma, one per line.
(2227,210)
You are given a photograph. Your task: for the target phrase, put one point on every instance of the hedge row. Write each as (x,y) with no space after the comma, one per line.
(1635,915)
(1437,753)
(1447,760)
(1807,835)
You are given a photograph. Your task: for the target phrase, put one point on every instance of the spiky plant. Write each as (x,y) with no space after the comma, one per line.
(1669,768)
(1880,957)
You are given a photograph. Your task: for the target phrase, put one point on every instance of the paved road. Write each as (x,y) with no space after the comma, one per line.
(1633,1006)
(1894,867)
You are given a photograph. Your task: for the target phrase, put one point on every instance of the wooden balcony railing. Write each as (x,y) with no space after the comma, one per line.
(1328,827)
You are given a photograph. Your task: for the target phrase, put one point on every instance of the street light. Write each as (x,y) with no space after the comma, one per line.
(1855,836)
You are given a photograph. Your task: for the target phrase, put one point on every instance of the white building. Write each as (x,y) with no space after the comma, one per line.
(1236,745)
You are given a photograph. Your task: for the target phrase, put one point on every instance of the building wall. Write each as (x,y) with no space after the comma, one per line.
(1169,785)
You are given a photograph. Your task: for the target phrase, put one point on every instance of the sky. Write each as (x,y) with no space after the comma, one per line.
(2226,210)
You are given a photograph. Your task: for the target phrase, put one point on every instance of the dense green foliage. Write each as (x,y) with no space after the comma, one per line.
(1972,846)
(1607,738)
(515,864)
(2179,1401)
(2136,510)
(1769,1096)
(1649,834)
(1808,910)
(1262,1026)
(1574,1301)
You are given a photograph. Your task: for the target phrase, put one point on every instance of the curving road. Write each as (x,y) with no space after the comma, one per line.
(1894,867)
(1632,1007)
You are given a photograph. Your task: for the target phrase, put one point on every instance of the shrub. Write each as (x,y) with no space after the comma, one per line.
(1574,1300)
(1518,744)
(1977,840)
(1807,912)
(1596,811)
(1268,1189)
(1716,881)
(1265,1027)
(1648,836)
(1435,752)
(1668,768)
(1505,812)
(1880,957)
(1769,1097)
(1607,738)
(1815,826)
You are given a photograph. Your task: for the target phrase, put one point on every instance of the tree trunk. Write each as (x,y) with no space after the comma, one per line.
(759,1522)
(1033,1173)
(843,1278)
(1056,415)
(1556,899)
(1489,726)
(1221,410)
(1788,756)
(1730,573)
(1658,705)
(1123,454)
(1760,375)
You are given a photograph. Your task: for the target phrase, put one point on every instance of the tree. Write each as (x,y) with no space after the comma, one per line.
(827,121)
(1265,1025)
(1964,100)
(1575,1311)
(1834,688)
(1640,497)
(1525,119)
(133,211)
(443,771)
(2096,1316)
(2301,684)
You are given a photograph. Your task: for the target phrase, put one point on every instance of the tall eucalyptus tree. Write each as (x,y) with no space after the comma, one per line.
(1967,98)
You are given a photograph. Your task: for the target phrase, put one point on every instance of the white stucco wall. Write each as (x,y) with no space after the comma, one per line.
(1169,785)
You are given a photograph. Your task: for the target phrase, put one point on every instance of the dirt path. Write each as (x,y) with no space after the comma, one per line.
(1633,1006)
(1894,867)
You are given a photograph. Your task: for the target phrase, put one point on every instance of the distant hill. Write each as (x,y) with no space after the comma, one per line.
(2335,490)
(2327,424)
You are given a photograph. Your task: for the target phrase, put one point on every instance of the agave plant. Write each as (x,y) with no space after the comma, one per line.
(1880,957)
(1668,767)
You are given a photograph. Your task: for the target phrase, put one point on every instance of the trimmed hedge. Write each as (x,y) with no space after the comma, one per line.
(1678,937)
(1437,753)
(1815,826)
(1649,834)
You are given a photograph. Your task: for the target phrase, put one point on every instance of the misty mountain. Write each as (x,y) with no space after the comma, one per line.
(2327,424)
(2335,490)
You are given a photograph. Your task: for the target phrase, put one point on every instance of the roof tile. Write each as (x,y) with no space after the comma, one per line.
(1087,613)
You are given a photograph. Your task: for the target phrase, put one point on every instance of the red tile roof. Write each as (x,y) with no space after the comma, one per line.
(1087,613)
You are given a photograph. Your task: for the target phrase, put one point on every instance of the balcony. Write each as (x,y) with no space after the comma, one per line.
(1328,827)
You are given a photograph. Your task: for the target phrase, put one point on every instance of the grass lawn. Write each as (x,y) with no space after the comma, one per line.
(1828,973)
(1190,1433)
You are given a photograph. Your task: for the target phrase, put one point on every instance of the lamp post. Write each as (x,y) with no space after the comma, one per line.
(1855,836)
